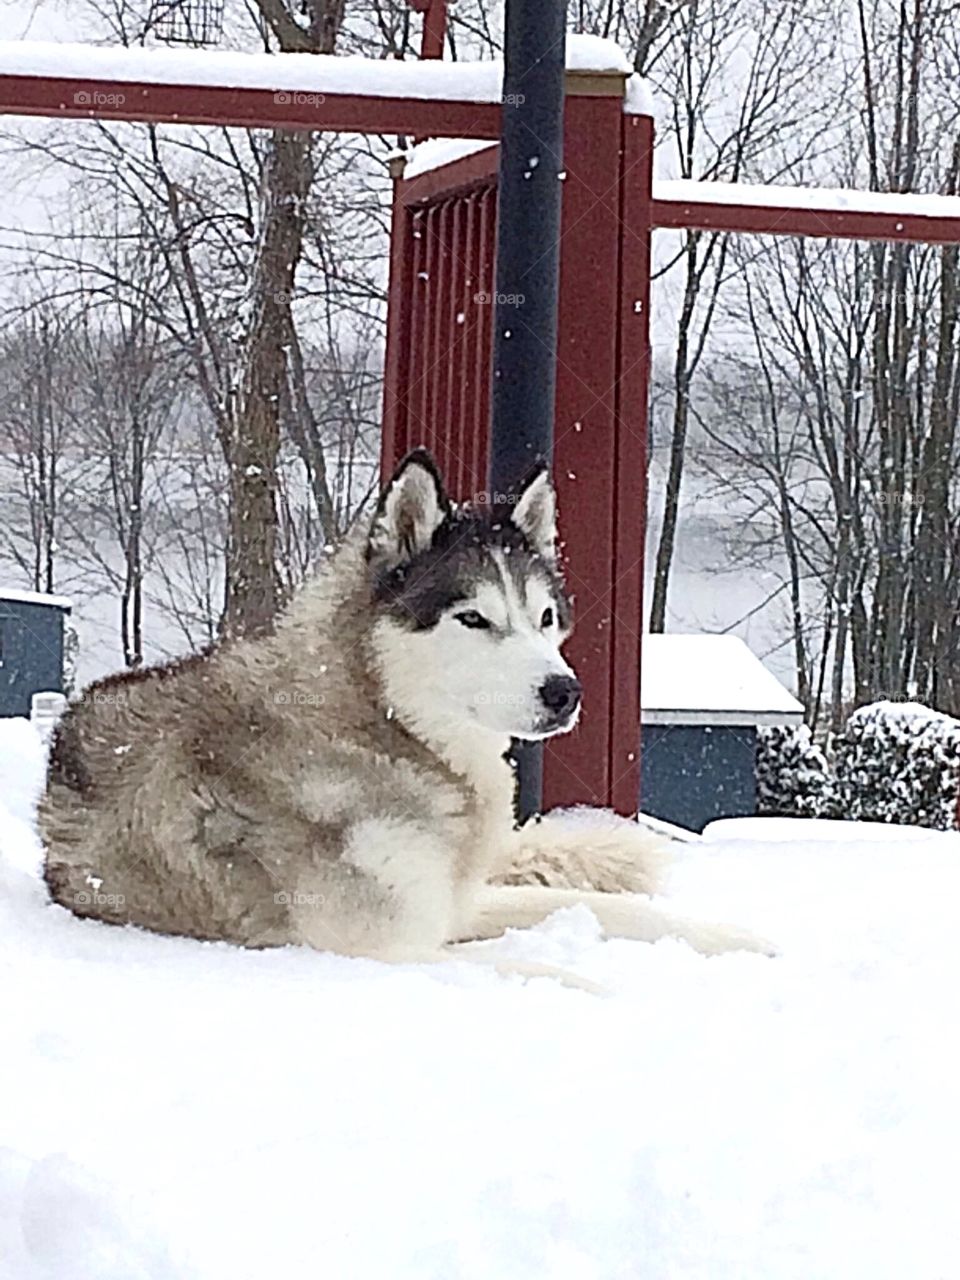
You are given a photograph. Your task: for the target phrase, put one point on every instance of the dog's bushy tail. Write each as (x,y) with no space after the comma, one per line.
(586,848)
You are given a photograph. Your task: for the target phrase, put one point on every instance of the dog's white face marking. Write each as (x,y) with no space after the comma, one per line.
(472,626)
(456,675)
(496,671)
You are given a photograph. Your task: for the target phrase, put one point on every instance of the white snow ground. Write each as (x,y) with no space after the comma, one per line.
(182,1111)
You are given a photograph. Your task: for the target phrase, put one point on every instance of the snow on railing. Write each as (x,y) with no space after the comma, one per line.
(814,199)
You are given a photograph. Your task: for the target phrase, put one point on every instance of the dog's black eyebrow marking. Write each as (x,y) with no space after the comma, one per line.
(425,608)
(417,593)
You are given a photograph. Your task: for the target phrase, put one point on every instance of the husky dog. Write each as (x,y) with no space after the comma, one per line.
(342,783)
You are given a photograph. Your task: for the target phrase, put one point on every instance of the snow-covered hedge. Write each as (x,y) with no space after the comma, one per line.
(793,776)
(891,762)
(898,762)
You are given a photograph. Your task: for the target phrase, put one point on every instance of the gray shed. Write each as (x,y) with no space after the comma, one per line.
(31,647)
(703,697)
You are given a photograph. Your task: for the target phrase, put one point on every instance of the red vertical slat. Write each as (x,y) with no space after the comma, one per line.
(431,330)
(440,371)
(399,324)
(466,362)
(419,339)
(476,422)
(451,399)
(414,349)
(480,453)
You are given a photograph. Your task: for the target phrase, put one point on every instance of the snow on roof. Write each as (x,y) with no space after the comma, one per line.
(710,679)
(15,596)
(304,72)
(684,191)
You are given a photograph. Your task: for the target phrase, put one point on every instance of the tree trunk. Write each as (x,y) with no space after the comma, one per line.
(253,587)
(252,579)
(678,442)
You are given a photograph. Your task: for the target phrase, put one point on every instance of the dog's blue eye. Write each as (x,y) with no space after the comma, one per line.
(470,618)
(547,619)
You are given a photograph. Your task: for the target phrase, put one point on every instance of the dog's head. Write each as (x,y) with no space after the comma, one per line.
(470,607)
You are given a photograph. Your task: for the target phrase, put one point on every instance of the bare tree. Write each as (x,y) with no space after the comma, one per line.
(36,437)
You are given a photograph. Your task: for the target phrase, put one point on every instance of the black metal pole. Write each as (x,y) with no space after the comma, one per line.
(528,270)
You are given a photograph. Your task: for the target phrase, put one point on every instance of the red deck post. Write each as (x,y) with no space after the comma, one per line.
(630,491)
(593,464)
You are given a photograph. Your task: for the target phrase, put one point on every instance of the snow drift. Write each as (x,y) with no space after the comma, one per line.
(185,1111)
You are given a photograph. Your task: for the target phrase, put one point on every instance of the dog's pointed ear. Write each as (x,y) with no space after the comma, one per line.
(535,513)
(411,509)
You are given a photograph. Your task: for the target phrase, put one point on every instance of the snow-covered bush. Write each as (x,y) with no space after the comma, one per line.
(898,762)
(793,776)
(71,652)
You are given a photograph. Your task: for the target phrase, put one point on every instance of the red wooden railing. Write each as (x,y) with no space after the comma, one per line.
(438,394)
(439,333)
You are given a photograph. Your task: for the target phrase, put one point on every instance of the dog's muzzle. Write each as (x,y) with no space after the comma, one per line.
(561,697)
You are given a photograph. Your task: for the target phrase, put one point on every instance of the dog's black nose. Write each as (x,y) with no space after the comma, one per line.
(561,695)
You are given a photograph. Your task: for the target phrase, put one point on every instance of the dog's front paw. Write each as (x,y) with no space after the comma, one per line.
(717,939)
